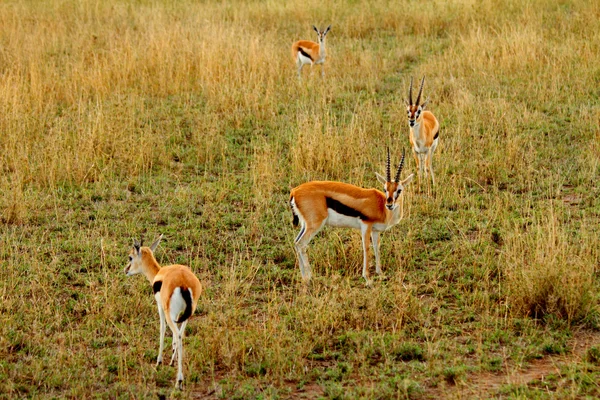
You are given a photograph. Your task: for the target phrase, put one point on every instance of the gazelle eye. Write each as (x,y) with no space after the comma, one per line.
(130,258)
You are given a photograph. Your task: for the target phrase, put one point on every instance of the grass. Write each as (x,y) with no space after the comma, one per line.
(126,119)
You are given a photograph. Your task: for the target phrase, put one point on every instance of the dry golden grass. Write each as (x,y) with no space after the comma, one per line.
(119,119)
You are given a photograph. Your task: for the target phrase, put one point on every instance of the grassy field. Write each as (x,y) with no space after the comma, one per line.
(121,119)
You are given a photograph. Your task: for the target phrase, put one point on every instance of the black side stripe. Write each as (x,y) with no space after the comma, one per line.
(187,297)
(156,286)
(343,209)
(304,53)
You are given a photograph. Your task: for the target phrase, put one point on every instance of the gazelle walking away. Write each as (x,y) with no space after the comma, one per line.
(317,203)
(308,52)
(424,133)
(176,290)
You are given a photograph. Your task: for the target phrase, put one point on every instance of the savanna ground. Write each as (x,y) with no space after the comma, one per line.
(122,119)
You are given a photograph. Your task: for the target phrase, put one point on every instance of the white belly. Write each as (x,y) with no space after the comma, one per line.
(304,59)
(338,220)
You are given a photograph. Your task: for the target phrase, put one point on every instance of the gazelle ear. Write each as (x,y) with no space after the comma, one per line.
(424,104)
(315,28)
(136,246)
(327,30)
(408,180)
(154,245)
(380,178)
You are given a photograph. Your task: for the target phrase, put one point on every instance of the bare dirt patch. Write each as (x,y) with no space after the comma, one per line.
(486,384)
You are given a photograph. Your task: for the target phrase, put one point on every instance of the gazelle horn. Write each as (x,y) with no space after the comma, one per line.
(387,166)
(410,92)
(400,168)
(420,91)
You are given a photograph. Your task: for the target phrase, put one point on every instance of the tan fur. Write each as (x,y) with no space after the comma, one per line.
(142,261)
(311,48)
(369,210)
(422,135)
(312,199)
(174,276)
(428,127)
(314,50)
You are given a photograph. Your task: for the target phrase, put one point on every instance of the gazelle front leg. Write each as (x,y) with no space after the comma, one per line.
(430,164)
(366,230)
(300,65)
(418,165)
(375,240)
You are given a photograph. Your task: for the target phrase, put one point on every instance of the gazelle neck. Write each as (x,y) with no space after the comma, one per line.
(151,266)
(322,49)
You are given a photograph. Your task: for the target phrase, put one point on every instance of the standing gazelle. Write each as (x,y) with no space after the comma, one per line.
(424,132)
(317,203)
(176,290)
(308,52)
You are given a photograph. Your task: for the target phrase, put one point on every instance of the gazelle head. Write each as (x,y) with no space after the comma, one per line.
(393,188)
(414,110)
(138,256)
(321,34)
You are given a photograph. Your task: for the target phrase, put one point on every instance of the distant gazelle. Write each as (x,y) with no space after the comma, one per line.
(317,203)
(424,132)
(176,290)
(308,52)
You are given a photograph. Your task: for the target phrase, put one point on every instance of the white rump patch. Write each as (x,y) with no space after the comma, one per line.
(177,305)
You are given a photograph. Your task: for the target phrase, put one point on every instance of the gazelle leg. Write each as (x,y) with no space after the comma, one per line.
(300,65)
(182,330)
(174,347)
(430,163)
(306,234)
(418,165)
(179,334)
(163,329)
(423,170)
(375,240)
(365,230)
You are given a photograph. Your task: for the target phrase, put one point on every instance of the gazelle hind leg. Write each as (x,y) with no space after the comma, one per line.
(179,334)
(308,232)
(182,330)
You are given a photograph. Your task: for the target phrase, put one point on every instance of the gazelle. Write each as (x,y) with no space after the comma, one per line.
(176,290)
(424,133)
(308,52)
(317,203)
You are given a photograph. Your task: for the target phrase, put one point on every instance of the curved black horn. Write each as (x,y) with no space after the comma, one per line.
(410,92)
(388,174)
(420,91)
(397,179)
